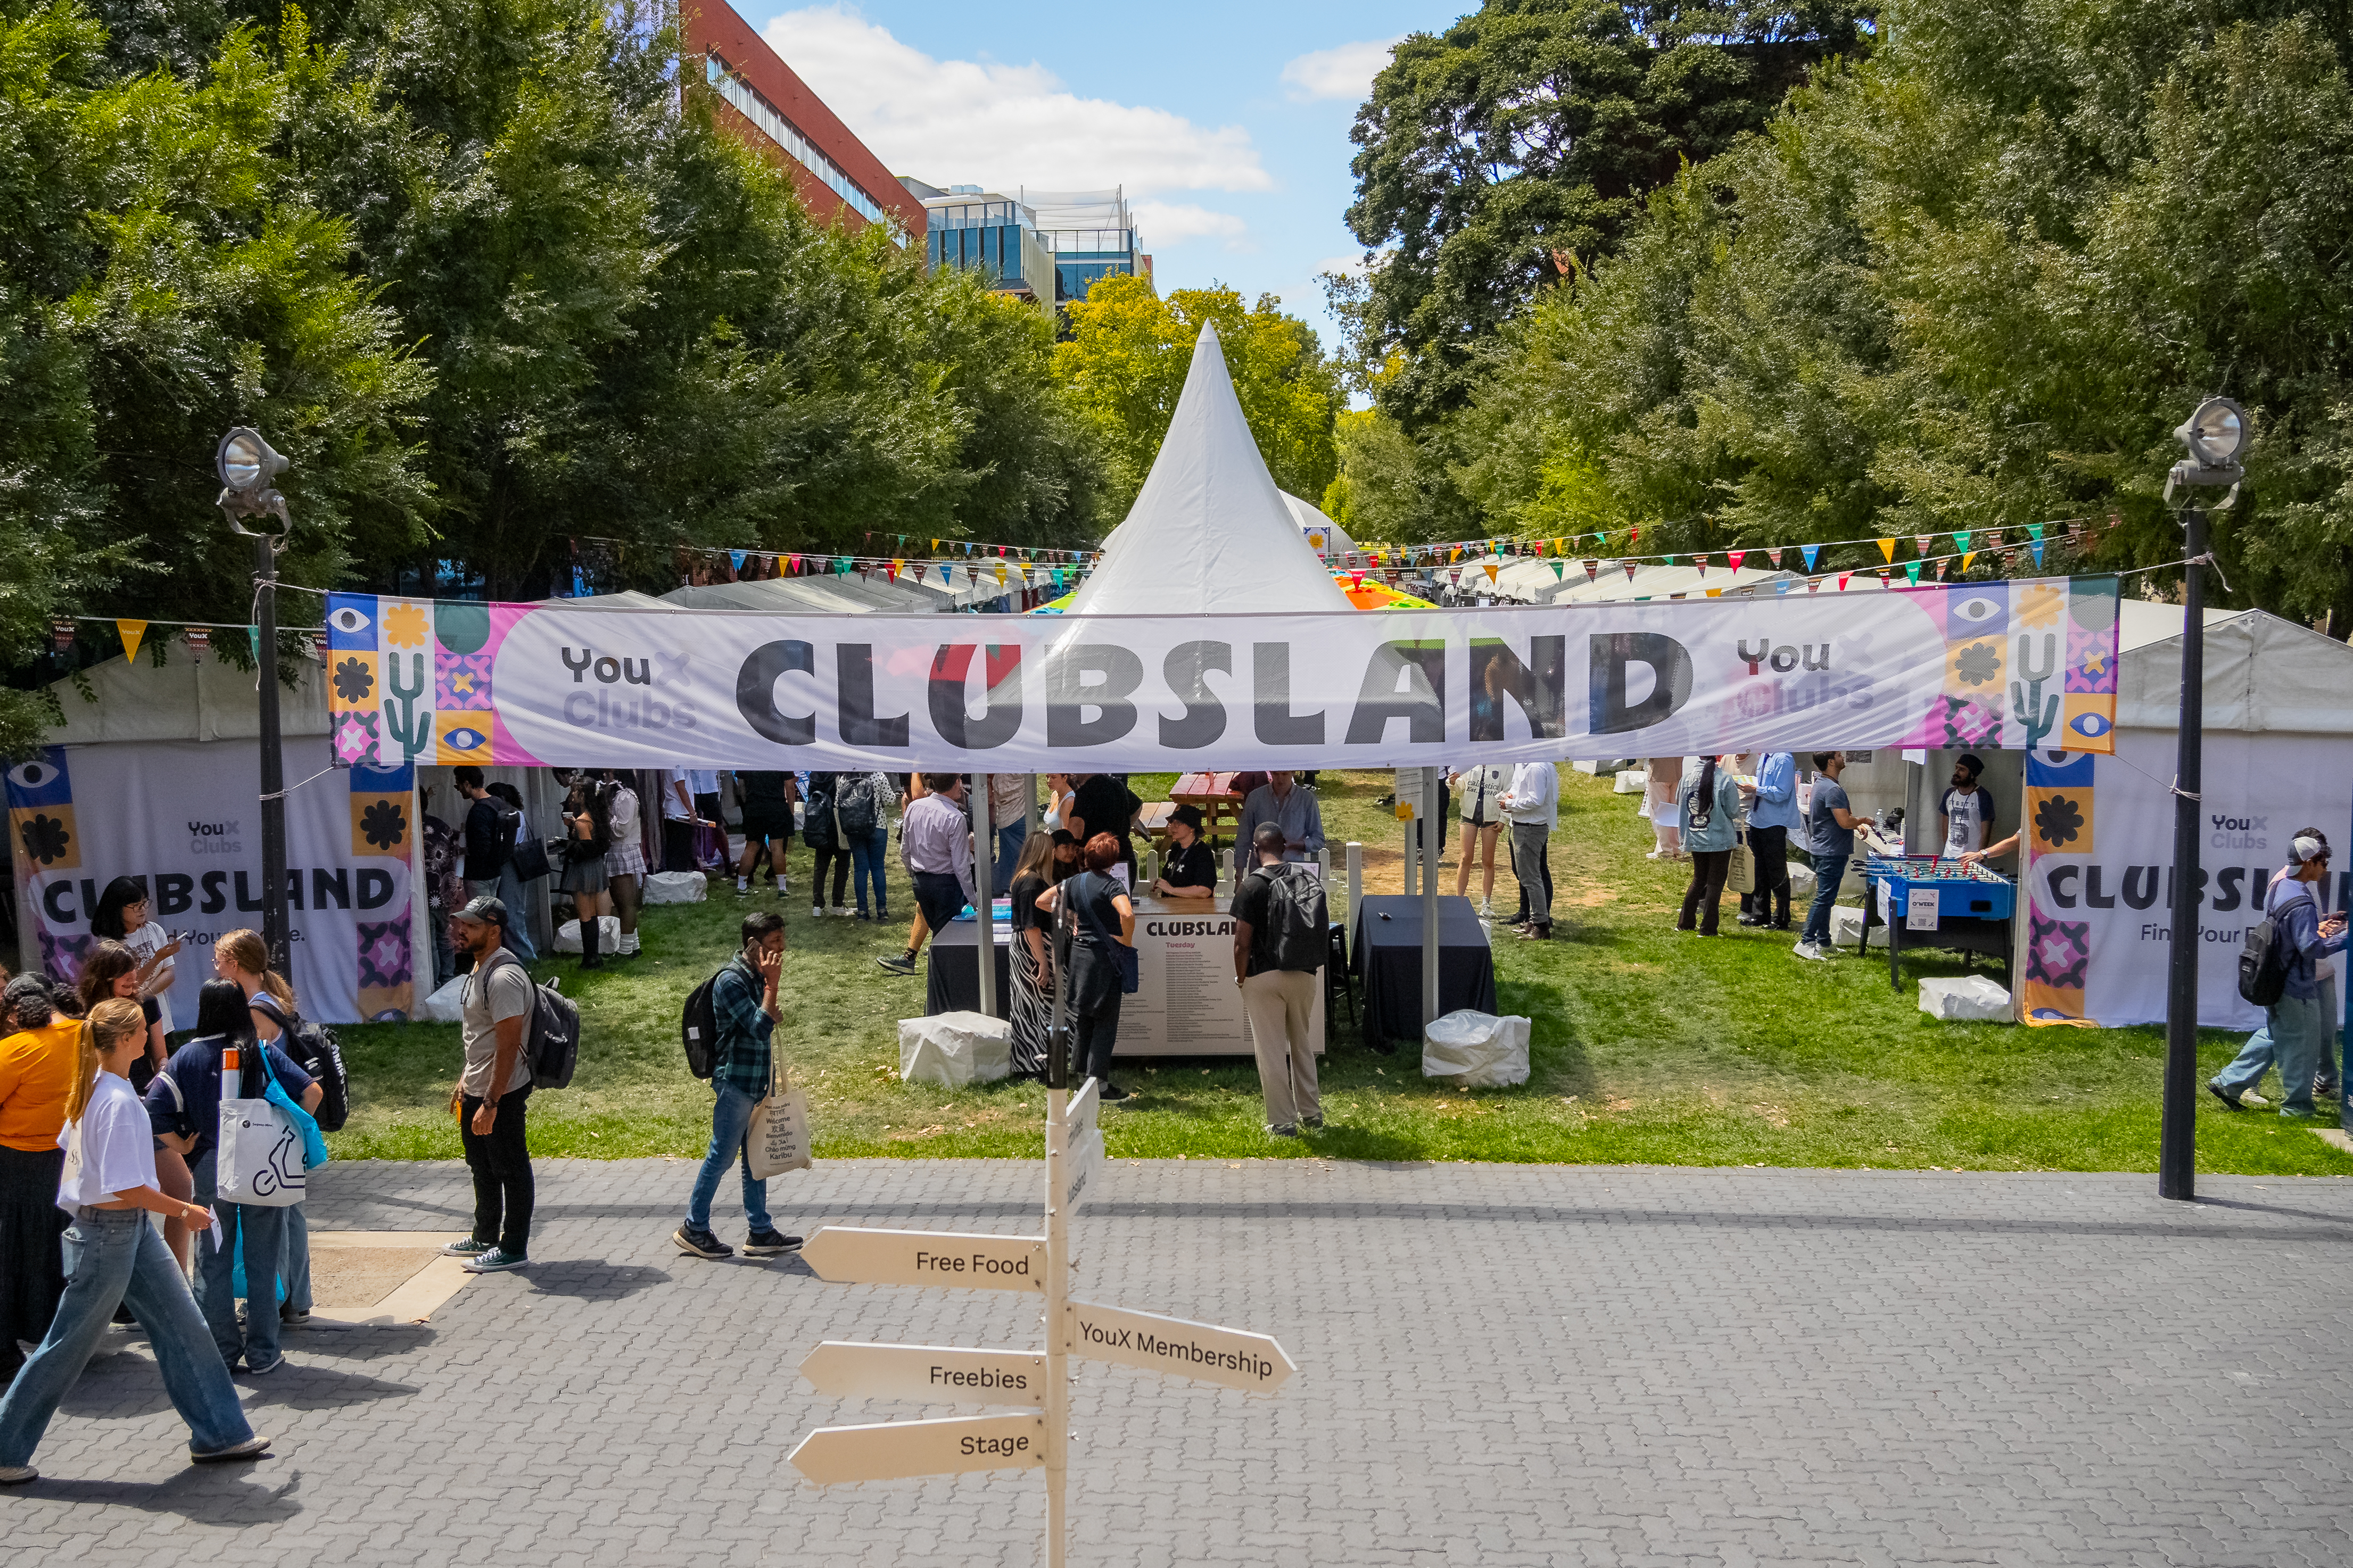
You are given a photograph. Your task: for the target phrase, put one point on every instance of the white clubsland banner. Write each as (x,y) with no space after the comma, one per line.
(181,819)
(2099,834)
(2017,664)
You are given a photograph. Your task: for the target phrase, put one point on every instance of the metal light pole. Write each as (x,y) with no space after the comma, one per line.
(2214,434)
(246,466)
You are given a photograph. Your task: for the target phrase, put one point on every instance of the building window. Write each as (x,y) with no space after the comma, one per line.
(746,100)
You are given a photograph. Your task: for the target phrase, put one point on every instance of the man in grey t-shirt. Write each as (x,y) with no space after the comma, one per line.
(494,1013)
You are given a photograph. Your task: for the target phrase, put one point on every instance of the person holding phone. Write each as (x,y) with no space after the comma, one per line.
(743,1006)
(122,915)
(117,1259)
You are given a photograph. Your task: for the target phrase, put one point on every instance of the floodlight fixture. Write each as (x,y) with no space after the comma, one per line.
(2215,435)
(246,466)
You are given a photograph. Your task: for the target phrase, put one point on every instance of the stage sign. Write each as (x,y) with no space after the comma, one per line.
(2010,664)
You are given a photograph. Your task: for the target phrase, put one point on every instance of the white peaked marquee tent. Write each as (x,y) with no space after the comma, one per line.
(1209,534)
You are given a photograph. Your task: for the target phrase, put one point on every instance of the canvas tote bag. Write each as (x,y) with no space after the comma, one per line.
(260,1155)
(777,1140)
(1741,874)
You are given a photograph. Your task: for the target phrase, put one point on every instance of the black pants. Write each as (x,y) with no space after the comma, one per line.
(1511,863)
(1709,867)
(840,860)
(1769,904)
(1092,1040)
(678,846)
(504,1190)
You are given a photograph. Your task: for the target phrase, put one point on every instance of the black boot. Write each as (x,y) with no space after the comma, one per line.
(591,930)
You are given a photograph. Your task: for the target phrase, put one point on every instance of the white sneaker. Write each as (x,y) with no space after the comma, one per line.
(1486,908)
(817,912)
(2257,1100)
(843,911)
(1809,950)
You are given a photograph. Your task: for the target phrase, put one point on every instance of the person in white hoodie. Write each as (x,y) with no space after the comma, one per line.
(1480,791)
(1531,805)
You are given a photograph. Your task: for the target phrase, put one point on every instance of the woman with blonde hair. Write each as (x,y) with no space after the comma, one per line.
(36,1068)
(243,957)
(108,1187)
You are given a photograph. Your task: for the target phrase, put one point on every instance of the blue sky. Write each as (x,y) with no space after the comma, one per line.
(1228,122)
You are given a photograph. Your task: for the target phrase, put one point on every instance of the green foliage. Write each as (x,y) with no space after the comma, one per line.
(1974,281)
(1374,496)
(1123,367)
(1525,137)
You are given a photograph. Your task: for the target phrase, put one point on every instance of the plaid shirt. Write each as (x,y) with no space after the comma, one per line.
(743,1029)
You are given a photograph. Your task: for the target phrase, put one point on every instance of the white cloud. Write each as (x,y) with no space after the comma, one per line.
(1345,266)
(980,122)
(1172,223)
(1344,71)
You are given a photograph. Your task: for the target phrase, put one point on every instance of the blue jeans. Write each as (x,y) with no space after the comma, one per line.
(730,1119)
(1009,841)
(518,936)
(113,1257)
(866,861)
(2295,1034)
(1830,870)
(294,1262)
(263,1231)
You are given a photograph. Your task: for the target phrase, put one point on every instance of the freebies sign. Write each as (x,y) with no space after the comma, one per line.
(180,818)
(2019,664)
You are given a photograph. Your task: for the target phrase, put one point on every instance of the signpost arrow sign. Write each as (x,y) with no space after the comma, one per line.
(849,1255)
(894,1449)
(1086,1165)
(938,1374)
(1231,1356)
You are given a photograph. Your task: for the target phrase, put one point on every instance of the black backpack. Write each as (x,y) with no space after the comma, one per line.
(1297,921)
(855,805)
(2264,961)
(550,1035)
(314,1048)
(699,1028)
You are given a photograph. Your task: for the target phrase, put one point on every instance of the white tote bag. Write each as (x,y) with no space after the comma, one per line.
(777,1140)
(260,1155)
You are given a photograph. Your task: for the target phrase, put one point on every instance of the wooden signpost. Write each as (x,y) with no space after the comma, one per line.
(1037,1436)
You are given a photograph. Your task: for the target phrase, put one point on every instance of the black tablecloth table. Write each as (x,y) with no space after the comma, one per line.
(954,982)
(1386,955)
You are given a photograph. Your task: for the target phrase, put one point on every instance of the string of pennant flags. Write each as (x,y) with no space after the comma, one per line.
(975,561)
(2010,540)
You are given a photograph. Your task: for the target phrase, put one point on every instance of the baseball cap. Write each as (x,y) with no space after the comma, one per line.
(484,911)
(1190,815)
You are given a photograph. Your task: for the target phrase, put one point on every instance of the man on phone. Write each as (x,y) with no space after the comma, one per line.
(743,1005)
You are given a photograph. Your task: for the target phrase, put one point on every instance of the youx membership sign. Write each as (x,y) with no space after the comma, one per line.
(2020,664)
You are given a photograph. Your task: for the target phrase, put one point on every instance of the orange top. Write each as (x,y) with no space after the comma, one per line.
(36,1068)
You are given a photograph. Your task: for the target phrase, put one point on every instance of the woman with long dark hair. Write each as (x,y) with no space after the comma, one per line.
(36,1068)
(589,835)
(123,915)
(1033,960)
(1709,818)
(823,835)
(625,860)
(118,1261)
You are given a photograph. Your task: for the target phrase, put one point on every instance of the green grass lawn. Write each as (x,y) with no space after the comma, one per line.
(1649,1046)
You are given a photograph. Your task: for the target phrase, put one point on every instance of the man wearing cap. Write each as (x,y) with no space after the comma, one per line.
(1966,811)
(2295,1028)
(493,1011)
(1191,870)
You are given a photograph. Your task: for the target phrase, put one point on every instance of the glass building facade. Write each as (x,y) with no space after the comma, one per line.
(1050,246)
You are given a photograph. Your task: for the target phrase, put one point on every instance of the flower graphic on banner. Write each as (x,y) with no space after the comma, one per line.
(354,681)
(384,954)
(46,838)
(405,625)
(62,955)
(1979,663)
(2058,821)
(384,824)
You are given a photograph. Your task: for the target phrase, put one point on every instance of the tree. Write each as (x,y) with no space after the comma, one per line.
(1374,496)
(1124,365)
(1526,137)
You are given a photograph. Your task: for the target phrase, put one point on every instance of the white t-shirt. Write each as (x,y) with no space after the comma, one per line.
(673,808)
(1965,818)
(117,1145)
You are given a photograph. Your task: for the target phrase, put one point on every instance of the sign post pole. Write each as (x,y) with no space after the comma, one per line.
(2176,1139)
(1058,1315)
(984,888)
(1432,829)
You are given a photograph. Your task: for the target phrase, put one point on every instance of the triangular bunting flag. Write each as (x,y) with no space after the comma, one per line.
(1809,551)
(1701,562)
(1735,557)
(1774,556)
(131,632)
(1922,541)
(1966,559)
(1962,542)
(1591,569)
(199,640)
(1842,579)
(1556,569)
(1887,548)
(1491,571)
(1813,584)
(1628,565)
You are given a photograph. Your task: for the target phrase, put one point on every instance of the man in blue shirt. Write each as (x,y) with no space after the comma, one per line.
(1772,812)
(1829,830)
(743,1005)
(2295,1028)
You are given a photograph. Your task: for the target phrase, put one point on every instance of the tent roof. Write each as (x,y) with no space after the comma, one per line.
(1209,533)
(801,595)
(1307,514)
(2262,673)
(182,699)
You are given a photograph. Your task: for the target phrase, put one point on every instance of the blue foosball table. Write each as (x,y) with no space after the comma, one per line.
(1934,903)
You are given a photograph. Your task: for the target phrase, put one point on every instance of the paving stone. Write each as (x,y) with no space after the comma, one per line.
(1499,1365)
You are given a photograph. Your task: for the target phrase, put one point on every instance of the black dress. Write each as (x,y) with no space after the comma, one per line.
(1033,1004)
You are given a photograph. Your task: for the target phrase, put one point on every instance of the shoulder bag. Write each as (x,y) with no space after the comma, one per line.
(777,1140)
(1121,956)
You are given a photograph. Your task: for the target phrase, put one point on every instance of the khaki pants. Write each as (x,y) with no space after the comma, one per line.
(1282,1003)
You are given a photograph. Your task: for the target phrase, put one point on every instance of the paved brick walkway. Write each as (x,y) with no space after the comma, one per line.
(1498,1366)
